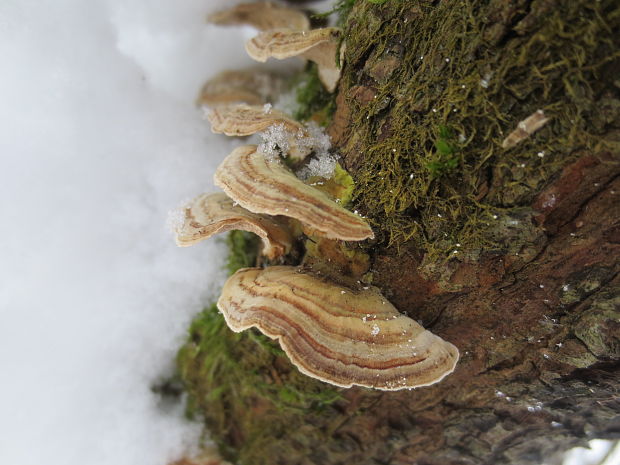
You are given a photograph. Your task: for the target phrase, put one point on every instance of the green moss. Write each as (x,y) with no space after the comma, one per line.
(339,187)
(343,178)
(230,376)
(243,248)
(242,384)
(444,160)
(312,99)
(434,66)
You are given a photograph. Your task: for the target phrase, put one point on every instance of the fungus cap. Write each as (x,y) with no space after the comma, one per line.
(261,15)
(267,186)
(252,86)
(244,120)
(210,214)
(317,45)
(338,335)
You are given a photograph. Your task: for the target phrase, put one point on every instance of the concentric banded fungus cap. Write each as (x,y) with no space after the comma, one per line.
(210,214)
(252,86)
(317,45)
(262,15)
(264,186)
(332,333)
(244,120)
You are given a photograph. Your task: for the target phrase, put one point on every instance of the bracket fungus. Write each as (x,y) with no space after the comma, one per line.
(252,86)
(244,120)
(338,335)
(264,186)
(210,214)
(261,15)
(318,45)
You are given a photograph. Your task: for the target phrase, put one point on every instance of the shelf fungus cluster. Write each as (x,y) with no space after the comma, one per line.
(341,335)
(285,33)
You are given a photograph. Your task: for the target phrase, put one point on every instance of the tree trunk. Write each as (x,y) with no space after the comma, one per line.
(510,254)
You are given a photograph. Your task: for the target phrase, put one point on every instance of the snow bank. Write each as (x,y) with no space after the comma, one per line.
(99,140)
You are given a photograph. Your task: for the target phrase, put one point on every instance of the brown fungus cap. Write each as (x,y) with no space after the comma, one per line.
(252,86)
(244,120)
(338,335)
(262,15)
(267,186)
(317,45)
(210,214)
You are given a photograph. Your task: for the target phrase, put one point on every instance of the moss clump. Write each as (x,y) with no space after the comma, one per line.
(344,180)
(242,247)
(242,384)
(477,68)
(339,187)
(311,99)
(445,159)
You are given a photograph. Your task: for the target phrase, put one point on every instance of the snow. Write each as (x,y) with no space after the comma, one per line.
(318,142)
(593,455)
(278,140)
(275,141)
(99,140)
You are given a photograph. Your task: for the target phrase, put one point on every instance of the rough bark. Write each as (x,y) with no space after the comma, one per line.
(536,316)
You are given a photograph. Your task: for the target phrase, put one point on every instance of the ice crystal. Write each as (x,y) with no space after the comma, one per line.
(176,218)
(322,166)
(276,141)
(314,139)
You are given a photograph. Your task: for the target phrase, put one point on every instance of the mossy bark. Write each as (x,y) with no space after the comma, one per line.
(512,255)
